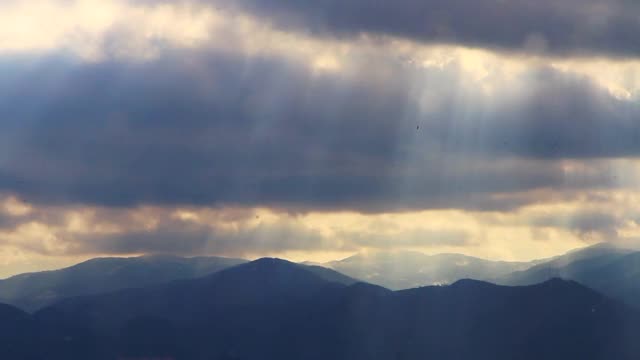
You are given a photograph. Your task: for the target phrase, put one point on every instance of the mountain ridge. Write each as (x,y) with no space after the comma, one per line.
(273,308)
(409,269)
(32,291)
(608,269)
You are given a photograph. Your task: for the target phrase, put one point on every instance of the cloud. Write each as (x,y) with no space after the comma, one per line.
(568,116)
(585,223)
(14,213)
(567,27)
(247,232)
(95,29)
(212,128)
(77,231)
(7,221)
(141,28)
(184,238)
(540,230)
(260,127)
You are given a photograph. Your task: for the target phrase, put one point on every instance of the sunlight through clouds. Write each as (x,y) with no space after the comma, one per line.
(127,121)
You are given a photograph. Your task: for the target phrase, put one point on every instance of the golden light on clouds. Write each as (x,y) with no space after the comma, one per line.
(84,27)
(521,235)
(15,207)
(534,231)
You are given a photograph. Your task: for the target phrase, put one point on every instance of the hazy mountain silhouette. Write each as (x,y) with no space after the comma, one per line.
(33,291)
(606,268)
(273,309)
(566,265)
(407,269)
(618,279)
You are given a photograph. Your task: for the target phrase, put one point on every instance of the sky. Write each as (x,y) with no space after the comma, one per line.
(313,130)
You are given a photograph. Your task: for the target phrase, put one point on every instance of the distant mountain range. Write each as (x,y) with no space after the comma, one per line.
(33,291)
(407,269)
(273,309)
(608,269)
(612,271)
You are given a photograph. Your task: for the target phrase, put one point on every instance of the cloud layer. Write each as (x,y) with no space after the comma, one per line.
(261,127)
(210,128)
(567,27)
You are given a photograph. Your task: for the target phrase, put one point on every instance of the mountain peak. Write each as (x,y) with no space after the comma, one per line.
(274,268)
(268,264)
(268,261)
(560,282)
(471,283)
(602,247)
(34,291)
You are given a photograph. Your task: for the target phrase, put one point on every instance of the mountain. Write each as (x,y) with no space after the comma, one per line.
(556,319)
(35,290)
(17,334)
(247,309)
(273,309)
(611,270)
(567,265)
(331,275)
(407,269)
(619,279)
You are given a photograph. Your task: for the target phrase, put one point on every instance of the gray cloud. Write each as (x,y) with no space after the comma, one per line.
(220,129)
(566,27)
(185,238)
(585,223)
(8,222)
(568,116)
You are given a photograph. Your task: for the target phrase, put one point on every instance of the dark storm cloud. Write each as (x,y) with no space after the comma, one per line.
(208,128)
(558,27)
